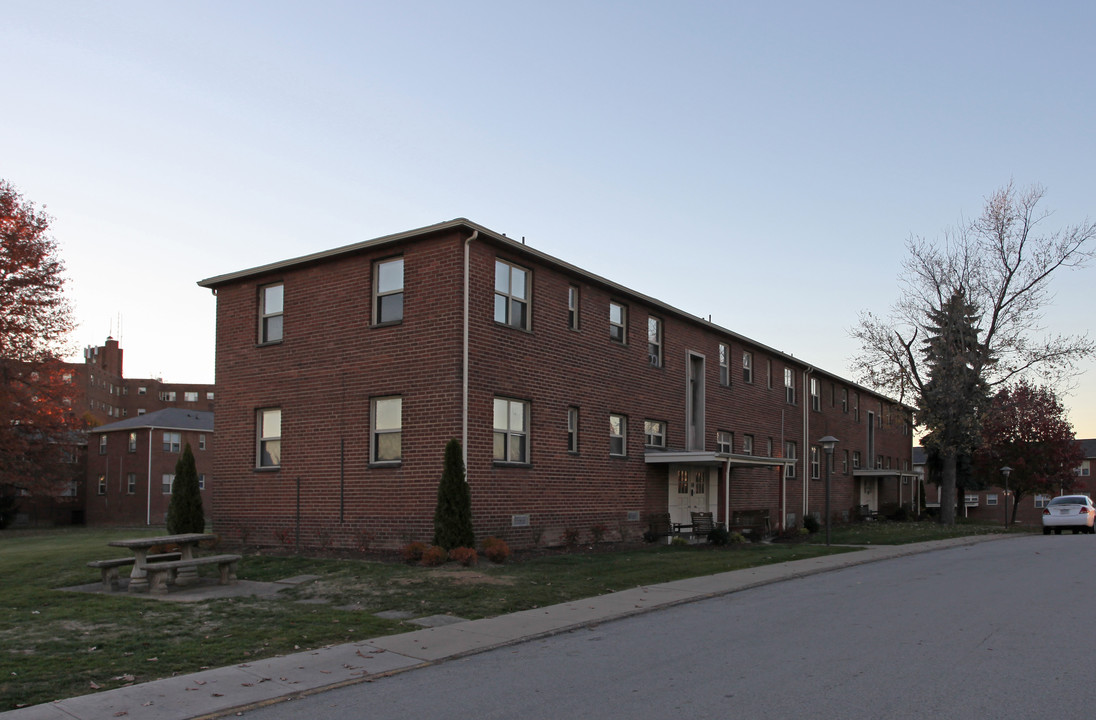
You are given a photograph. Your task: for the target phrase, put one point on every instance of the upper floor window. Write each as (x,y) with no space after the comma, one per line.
(654,433)
(724,364)
(618,322)
(173,442)
(141,390)
(388,291)
(167,396)
(572,307)
(511,295)
(844,400)
(724,442)
(1085,468)
(269,438)
(131,483)
(816,394)
(271,299)
(511,426)
(1041,501)
(572,429)
(166,481)
(209,395)
(747,444)
(747,367)
(815,463)
(201,441)
(856,406)
(190,396)
(654,341)
(844,462)
(789,454)
(789,385)
(102,484)
(387,443)
(618,435)
(103,444)
(131,446)
(855,459)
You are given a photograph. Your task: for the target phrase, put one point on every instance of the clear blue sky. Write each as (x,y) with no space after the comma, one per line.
(762,163)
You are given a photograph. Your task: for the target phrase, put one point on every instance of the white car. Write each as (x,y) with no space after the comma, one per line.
(1069,511)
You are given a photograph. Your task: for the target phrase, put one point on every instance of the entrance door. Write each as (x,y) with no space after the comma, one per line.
(868,494)
(689,492)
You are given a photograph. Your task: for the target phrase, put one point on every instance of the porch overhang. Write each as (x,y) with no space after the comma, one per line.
(715,459)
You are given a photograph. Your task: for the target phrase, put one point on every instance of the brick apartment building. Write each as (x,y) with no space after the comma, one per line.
(579,402)
(131,465)
(990,503)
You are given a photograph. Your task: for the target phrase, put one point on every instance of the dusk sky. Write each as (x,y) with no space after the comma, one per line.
(761,163)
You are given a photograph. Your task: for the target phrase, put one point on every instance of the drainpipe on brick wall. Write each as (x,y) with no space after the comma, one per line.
(464,379)
(148,501)
(727,496)
(783,477)
(806,445)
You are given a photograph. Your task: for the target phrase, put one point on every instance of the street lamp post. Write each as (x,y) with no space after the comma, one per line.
(1005,471)
(828,444)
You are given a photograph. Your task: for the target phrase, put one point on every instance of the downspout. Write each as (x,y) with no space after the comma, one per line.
(464,359)
(727,496)
(806,452)
(783,476)
(148,495)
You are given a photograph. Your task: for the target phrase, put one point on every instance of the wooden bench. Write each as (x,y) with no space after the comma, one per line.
(703,523)
(749,522)
(109,568)
(159,573)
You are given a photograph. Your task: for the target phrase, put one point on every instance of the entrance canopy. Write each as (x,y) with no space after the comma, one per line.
(721,459)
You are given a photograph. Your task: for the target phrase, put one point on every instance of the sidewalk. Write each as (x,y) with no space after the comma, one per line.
(221,691)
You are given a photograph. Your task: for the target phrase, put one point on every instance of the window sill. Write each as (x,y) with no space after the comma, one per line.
(269,343)
(390,323)
(267,468)
(507,464)
(617,457)
(381,464)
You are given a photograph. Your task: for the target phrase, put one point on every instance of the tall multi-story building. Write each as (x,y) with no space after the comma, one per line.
(579,403)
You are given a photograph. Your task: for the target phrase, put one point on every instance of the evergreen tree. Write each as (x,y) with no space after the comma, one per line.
(453,516)
(185,513)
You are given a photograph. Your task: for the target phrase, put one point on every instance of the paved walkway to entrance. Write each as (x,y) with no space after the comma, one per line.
(222,691)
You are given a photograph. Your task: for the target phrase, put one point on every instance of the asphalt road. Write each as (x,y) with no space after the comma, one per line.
(994,630)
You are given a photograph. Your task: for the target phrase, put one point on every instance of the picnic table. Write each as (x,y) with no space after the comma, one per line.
(186,542)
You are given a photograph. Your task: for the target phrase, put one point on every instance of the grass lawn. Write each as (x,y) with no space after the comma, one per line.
(901,533)
(56,644)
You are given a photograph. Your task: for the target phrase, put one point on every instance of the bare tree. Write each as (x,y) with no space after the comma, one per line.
(1002,263)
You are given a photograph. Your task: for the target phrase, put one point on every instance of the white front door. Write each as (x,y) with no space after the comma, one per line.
(690,490)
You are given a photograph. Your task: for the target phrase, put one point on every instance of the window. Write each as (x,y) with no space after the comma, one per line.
(815,463)
(816,394)
(789,453)
(209,395)
(511,295)
(618,322)
(141,411)
(572,429)
(201,442)
(844,400)
(769,373)
(142,390)
(103,444)
(269,450)
(878,462)
(747,444)
(724,364)
(991,498)
(201,481)
(856,407)
(167,396)
(724,442)
(1085,469)
(844,462)
(1041,501)
(270,313)
(789,385)
(388,291)
(511,431)
(131,446)
(173,442)
(654,433)
(747,367)
(654,341)
(572,307)
(618,435)
(769,447)
(855,459)
(190,396)
(166,482)
(131,484)
(102,485)
(387,442)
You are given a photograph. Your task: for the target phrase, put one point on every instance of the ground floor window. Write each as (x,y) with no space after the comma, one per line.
(1041,501)
(166,482)
(511,425)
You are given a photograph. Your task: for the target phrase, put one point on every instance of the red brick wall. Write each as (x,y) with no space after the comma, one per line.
(332,362)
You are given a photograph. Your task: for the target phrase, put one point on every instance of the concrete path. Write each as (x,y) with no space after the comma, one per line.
(223,691)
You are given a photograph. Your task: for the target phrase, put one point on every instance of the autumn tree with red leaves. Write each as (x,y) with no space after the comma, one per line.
(36,422)
(1026,429)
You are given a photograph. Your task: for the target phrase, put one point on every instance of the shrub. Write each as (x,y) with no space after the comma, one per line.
(466,556)
(412,551)
(496,550)
(811,524)
(434,555)
(570,537)
(184,511)
(597,532)
(719,535)
(736,538)
(678,540)
(453,514)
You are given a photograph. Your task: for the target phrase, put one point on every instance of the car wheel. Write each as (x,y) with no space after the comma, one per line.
(1057,531)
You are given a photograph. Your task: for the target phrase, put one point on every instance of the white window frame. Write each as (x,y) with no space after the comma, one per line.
(102,443)
(268,438)
(386,423)
(747,444)
(654,433)
(790,451)
(573,296)
(991,499)
(816,394)
(654,341)
(724,364)
(816,462)
(167,483)
(747,367)
(511,444)
(572,429)
(618,435)
(507,297)
(789,385)
(190,396)
(271,313)
(618,322)
(131,442)
(173,442)
(388,284)
(102,486)
(131,483)
(1041,501)
(724,441)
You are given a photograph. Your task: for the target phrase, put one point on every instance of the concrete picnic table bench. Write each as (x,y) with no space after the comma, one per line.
(152,573)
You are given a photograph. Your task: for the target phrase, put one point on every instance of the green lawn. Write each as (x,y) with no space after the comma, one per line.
(105,641)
